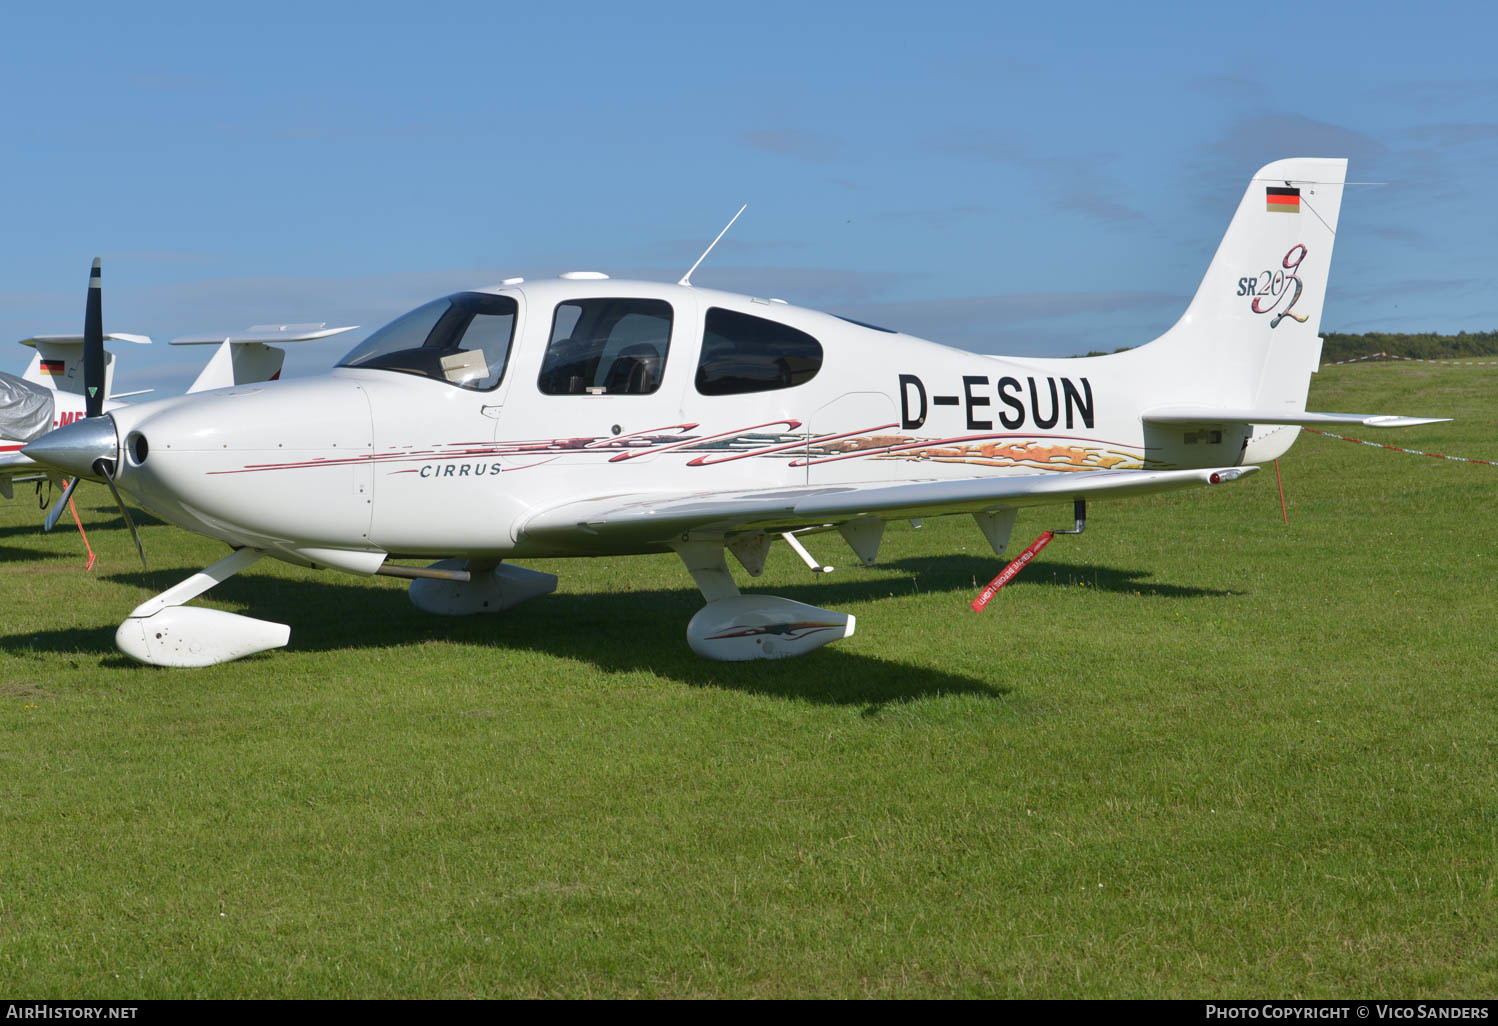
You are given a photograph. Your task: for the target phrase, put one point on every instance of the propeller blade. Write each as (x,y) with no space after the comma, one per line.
(93,346)
(61,504)
(106,471)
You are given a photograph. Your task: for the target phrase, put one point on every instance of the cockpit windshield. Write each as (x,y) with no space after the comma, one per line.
(463,339)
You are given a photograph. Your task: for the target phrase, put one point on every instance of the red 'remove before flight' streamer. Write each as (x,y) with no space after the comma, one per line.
(1008,573)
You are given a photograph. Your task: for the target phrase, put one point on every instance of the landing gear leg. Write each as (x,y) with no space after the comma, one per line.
(734,627)
(462,587)
(164,632)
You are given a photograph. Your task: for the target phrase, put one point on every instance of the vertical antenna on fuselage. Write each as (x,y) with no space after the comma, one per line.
(686,279)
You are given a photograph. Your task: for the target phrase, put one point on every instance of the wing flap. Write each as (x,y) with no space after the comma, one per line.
(664,517)
(1209,415)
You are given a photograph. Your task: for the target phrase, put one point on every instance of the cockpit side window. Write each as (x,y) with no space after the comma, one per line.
(742,354)
(607,347)
(463,339)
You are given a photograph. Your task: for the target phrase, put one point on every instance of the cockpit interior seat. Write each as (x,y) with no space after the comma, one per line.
(570,366)
(635,371)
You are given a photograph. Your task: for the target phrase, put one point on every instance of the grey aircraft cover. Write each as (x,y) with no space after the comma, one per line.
(25,409)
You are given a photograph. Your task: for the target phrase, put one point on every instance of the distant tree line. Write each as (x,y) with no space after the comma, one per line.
(1425,345)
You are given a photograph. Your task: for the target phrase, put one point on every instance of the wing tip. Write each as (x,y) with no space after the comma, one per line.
(1227,475)
(1395,421)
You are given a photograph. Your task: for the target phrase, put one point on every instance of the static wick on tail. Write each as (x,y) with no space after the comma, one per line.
(686,279)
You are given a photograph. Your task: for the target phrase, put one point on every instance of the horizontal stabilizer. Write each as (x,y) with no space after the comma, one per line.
(77,340)
(1207,415)
(249,356)
(265,333)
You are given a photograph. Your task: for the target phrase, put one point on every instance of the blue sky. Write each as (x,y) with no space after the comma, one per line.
(1036,179)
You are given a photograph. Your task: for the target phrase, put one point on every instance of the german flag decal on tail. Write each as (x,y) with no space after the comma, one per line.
(1282,201)
(54,368)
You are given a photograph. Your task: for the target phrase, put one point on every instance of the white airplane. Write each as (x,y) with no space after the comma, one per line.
(53,392)
(587,417)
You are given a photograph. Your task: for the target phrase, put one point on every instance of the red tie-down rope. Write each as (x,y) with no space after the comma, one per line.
(1412,359)
(1412,452)
(1375,445)
(91,557)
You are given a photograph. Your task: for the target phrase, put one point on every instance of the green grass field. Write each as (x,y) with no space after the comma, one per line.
(1193,752)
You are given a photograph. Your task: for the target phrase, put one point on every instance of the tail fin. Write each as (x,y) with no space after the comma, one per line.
(58,363)
(1251,337)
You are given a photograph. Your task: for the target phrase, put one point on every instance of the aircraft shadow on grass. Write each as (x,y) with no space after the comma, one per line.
(968,573)
(11,553)
(616,631)
(102,518)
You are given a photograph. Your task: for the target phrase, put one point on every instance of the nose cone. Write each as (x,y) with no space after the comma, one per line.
(76,447)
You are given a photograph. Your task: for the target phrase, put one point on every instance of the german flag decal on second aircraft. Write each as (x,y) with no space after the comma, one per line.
(1282,201)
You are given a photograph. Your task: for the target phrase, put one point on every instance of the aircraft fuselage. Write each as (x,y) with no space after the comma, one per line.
(376,461)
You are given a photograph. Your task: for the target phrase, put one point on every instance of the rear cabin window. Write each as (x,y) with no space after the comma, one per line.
(607,347)
(742,353)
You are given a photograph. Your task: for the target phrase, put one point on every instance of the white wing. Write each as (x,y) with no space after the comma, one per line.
(620,521)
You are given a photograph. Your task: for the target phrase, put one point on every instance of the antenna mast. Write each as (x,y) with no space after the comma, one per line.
(686,279)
